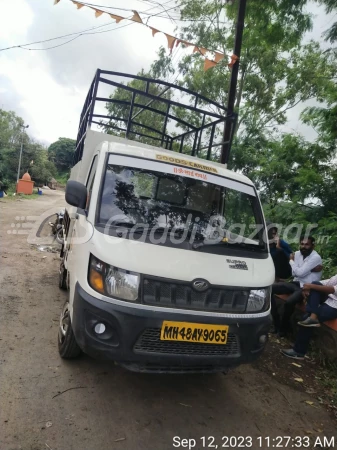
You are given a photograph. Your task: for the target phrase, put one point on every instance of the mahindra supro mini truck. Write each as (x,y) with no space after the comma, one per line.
(165,256)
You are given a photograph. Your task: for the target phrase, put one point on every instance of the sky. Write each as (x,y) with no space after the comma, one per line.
(47,88)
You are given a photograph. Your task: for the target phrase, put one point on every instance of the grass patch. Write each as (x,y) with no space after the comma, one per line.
(62,179)
(11,197)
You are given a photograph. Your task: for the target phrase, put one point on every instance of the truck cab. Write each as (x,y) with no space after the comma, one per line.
(165,259)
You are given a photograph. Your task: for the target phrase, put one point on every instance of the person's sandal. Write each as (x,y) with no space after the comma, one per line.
(309,322)
(290,353)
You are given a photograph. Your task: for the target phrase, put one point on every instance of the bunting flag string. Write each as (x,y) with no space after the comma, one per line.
(78,5)
(208,64)
(98,12)
(154,31)
(171,40)
(116,18)
(136,17)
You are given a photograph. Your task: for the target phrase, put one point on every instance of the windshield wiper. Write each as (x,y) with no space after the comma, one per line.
(161,230)
(122,224)
(254,247)
(245,245)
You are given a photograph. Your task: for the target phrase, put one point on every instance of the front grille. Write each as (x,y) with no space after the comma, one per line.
(181,295)
(149,342)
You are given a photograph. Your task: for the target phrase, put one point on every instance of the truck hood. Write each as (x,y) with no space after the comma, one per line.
(180,264)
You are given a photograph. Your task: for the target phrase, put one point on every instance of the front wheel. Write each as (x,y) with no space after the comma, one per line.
(67,345)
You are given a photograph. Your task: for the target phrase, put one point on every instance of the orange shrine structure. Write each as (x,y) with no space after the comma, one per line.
(25,185)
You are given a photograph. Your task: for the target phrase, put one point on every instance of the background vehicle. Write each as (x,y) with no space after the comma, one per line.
(57,226)
(165,254)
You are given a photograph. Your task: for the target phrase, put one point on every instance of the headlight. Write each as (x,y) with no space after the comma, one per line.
(113,282)
(258,300)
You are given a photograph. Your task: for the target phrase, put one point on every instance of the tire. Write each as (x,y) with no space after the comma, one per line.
(67,345)
(327,340)
(63,273)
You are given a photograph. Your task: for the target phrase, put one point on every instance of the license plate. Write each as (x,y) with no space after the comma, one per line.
(194,332)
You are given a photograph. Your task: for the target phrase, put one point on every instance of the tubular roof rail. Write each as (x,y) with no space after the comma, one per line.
(197,126)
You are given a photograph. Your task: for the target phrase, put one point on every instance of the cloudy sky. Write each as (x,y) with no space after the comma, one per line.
(47,87)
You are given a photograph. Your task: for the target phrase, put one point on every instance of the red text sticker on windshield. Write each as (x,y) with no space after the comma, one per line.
(191,173)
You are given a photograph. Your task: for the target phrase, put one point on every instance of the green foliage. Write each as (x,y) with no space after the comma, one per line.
(34,155)
(61,153)
(330,33)
(323,228)
(296,178)
(119,113)
(63,178)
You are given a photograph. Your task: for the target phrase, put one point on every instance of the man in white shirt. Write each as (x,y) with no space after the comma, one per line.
(321,307)
(306,265)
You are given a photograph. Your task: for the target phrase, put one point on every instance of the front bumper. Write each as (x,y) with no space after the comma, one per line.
(132,338)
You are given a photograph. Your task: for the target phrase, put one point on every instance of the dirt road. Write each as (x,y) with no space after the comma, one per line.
(47,403)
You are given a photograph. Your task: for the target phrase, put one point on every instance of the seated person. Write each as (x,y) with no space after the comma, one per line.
(321,307)
(280,251)
(306,265)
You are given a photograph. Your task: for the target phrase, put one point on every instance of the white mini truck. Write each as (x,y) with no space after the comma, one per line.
(165,259)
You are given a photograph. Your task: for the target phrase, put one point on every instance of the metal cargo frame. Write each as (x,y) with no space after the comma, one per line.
(201,138)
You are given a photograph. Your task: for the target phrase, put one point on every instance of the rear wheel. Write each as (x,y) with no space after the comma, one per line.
(67,345)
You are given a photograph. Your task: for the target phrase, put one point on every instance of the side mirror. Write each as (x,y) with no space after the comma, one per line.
(76,194)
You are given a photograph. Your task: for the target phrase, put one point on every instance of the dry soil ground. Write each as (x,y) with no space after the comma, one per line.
(47,403)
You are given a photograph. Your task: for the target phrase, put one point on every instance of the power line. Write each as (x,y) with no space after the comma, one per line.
(53,39)
(128,9)
(87,31)
(79,34)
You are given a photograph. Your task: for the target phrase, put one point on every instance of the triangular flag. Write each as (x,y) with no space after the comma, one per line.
(201,50)
(98,12)
(170,41)
(56,2)
(116,18)
(136,17)
(180,41)
(154,31)
(218,57)
(234,58)
(79,5)
(208,64)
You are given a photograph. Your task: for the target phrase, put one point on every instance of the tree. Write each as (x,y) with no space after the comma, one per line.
(324,119)
(331,32)
(61,153)
(144,121)
(278,71)
(34,155)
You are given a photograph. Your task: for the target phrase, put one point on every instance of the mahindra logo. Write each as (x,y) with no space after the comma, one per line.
(200,285)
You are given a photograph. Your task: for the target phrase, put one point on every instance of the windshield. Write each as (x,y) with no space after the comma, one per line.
(191,207)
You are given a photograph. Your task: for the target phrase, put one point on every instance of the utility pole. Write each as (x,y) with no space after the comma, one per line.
(23,128)
(230,123)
